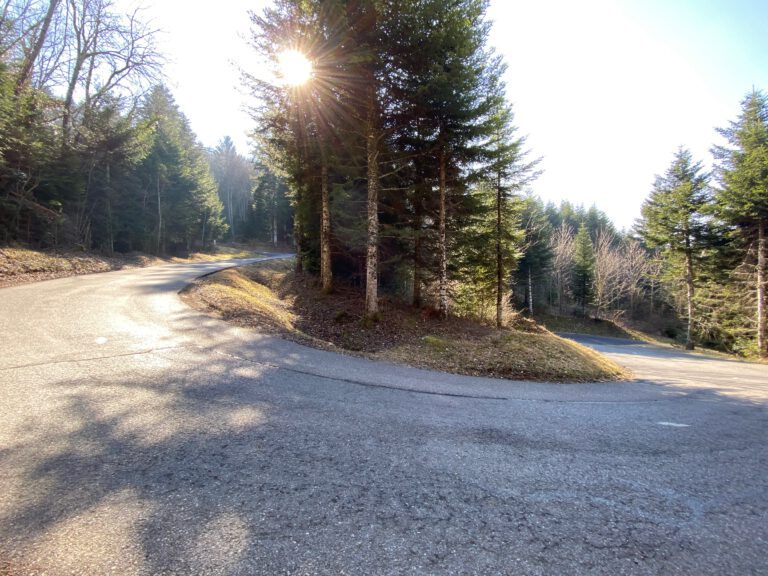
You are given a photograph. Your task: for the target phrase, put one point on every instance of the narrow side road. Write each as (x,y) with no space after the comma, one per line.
(141,437)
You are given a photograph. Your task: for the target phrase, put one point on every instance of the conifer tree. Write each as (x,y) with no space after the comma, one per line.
(742,198)
(451,90)
(510,172)
(176,176)
(673,220)
(233,175)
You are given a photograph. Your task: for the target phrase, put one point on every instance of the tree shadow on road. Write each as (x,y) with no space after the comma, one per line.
(187,462)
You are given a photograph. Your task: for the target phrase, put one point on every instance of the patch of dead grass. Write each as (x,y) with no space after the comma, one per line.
(235,297)
(269,296)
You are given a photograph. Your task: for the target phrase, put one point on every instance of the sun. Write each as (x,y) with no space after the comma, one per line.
(295,69)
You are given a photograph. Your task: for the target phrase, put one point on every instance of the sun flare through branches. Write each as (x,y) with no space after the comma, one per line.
(294,68)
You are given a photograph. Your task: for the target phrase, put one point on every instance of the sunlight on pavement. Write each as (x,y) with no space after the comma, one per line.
(72,546)
(220,546)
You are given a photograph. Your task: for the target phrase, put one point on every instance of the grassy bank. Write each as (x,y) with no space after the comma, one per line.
(270,297)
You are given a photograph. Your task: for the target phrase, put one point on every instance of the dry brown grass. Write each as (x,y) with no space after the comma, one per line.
(268,296)
(22,265)
(511,354)
(235,297)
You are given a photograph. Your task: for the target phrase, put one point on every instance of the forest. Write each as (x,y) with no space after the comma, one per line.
(395,169)
(95,153)
(409,178)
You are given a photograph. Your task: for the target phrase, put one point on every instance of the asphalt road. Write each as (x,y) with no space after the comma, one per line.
(141,437)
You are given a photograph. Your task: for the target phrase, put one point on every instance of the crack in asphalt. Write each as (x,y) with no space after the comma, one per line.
(90,358)
(359,382)
(679,396)
(447,394)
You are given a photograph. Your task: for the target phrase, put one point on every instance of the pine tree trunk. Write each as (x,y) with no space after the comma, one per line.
(297,233)
(297,240)
(274,224)
(417,257)
(202,236)
(372,252)
(499,263)
(159,217)
(110,223)
(762,345)
(689,299)
(326,273)
(229,210)
(442,245)
(530,293)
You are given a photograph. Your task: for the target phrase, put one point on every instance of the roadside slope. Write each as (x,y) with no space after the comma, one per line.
(270,298)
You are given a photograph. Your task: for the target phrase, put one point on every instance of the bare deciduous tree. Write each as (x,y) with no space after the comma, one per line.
(563,250)
(609,286)
(106,54)
(621,267)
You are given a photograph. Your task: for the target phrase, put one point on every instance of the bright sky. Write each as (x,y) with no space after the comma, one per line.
(606,90)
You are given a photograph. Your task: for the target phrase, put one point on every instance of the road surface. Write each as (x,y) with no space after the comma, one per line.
(141,437)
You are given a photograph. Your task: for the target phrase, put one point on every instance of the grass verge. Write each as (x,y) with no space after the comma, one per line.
(270,297)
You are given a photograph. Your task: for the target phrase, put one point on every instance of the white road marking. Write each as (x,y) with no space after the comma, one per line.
(673,424)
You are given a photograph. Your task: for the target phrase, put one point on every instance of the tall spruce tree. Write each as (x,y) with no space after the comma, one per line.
(673,220)
(510,172)
(403,117)
(742,198)
(451,91)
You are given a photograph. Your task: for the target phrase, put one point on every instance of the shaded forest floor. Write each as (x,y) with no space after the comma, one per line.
(24,265)
(271,298)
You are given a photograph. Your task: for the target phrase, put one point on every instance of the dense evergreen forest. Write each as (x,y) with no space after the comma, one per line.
(395,169)
(95,153)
